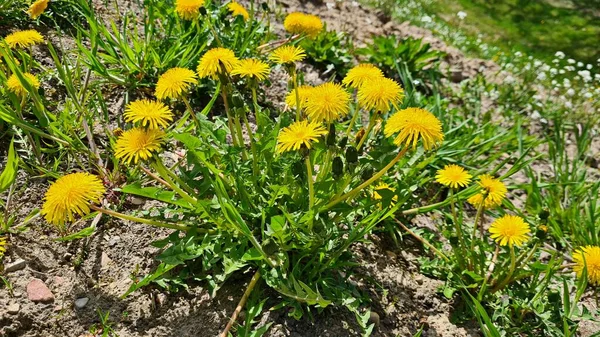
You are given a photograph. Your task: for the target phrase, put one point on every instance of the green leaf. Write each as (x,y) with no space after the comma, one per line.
(9,174)
(162,268)
(84,233)
(156,194)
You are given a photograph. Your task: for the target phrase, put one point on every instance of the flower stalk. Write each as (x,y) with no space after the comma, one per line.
(374,178)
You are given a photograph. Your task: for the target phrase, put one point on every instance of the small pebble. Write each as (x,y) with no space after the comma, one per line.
(13,308)
(81,302)
(37,291)
(104,260)
(14,266)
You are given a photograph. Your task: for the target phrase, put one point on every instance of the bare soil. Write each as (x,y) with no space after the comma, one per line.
(101,268)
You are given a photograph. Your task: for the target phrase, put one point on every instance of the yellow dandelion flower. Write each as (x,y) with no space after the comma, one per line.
(69,195)
(327,102)
(151,114)
(453,176)
(303,93)
(174,82)
(37,8)
(287,54)
(138,144)
(3,244)
(14,84)
(300,23)
(361,73)
(188,9)
(212,61)
(380,93)
(23,38)
(509,230)
(251,69)
(237,9)
(493,190)
(588,256)
(299,134)
(383,186)
(412,124)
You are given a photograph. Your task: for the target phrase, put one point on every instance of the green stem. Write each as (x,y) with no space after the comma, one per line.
(423,241)
(294,74)
(189,107)
(145,221)
(461,240)
(374,178)
(511,270)
(229,117)
(238,128)
(353,120)
(252,148)
(309,176)
(241,304)
(163,172)
(369,128)
(477,216)
(489,274)
(213,30)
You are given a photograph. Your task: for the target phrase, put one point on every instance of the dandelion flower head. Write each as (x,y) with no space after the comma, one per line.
(251,69)
(151,114)
(383,186)
(299,134)
(327,102)
(303,94)
(188,9)
(14,84)
(453,176)
(510,230)
(37,8)
(69,195)
(380,93)
(413,124)
(174,83)
(24,38)
(287,54)
(588,256)
(300,23)
(493,190)
(138,144)
(361,73)
(236,9)
(215,61)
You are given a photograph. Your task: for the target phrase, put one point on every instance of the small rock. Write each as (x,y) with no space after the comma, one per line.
(105,260)
(113,241)
(13,308)
(81,302)
(58,281)
(161,299)
(37,291)
(374,318)
(390,254)
(14,266)
(137,201)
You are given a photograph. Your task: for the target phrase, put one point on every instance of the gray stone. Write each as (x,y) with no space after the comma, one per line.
(16,265)
(105,260)
(13,308)
(81,302)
